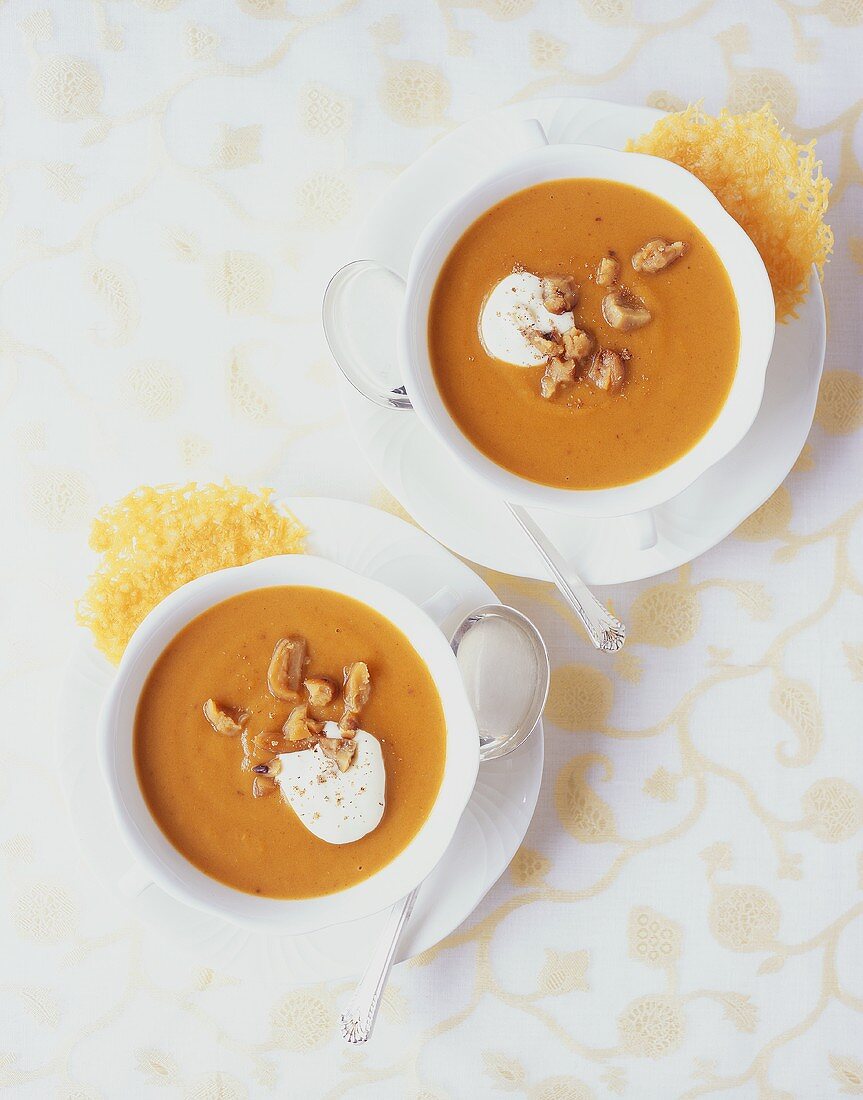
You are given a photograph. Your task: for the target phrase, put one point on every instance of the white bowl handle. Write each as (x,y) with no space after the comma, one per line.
(343,315)
(341,322)
(642,526)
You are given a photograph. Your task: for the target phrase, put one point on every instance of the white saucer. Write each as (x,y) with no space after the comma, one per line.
(419,471)
(494,824)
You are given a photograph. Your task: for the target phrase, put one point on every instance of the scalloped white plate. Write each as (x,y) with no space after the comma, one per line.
(421,473)
(386,548)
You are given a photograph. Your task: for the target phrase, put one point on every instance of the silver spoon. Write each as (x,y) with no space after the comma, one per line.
(604,630)
(479,643)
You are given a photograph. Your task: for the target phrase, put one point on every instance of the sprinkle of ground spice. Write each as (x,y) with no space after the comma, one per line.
(773,187)
(159,537)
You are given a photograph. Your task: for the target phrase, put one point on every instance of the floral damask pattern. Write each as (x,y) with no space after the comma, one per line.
(685,916)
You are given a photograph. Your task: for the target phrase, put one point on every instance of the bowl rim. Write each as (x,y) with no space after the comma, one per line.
(665,180)
(166,866)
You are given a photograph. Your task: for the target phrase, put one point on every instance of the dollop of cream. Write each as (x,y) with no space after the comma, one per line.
(514,305)
(338,807)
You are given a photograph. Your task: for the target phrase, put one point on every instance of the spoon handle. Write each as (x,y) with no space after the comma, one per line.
(605,631)
(358,1019)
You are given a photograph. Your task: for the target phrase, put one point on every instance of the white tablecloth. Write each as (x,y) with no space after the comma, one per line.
(686,917)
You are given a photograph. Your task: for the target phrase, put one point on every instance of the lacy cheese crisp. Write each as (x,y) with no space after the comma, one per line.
(768,183)
(159,537)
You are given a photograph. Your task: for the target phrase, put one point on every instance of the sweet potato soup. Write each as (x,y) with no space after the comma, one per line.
(220,705)
(644,362)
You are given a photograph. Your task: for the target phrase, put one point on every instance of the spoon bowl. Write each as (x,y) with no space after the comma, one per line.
(504,663)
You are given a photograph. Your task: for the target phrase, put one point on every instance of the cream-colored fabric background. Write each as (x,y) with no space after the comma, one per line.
(686,917)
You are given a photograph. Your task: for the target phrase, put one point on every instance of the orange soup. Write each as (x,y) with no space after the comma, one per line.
(657,327)
(208,727)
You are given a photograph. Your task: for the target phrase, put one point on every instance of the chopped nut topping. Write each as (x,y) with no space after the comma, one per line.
(296,728)
(358,686)
(349,724)
(266,741)
(558,372)
(340,749)
(286,667)
(260,747)
(546,343)
(262,786)
(270,767)
(607,271)
(220,720)
(299,746)
(607,371)
(302,730)
(321,690)
(577,344)
(559,293)
(657,254)
(624,311)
